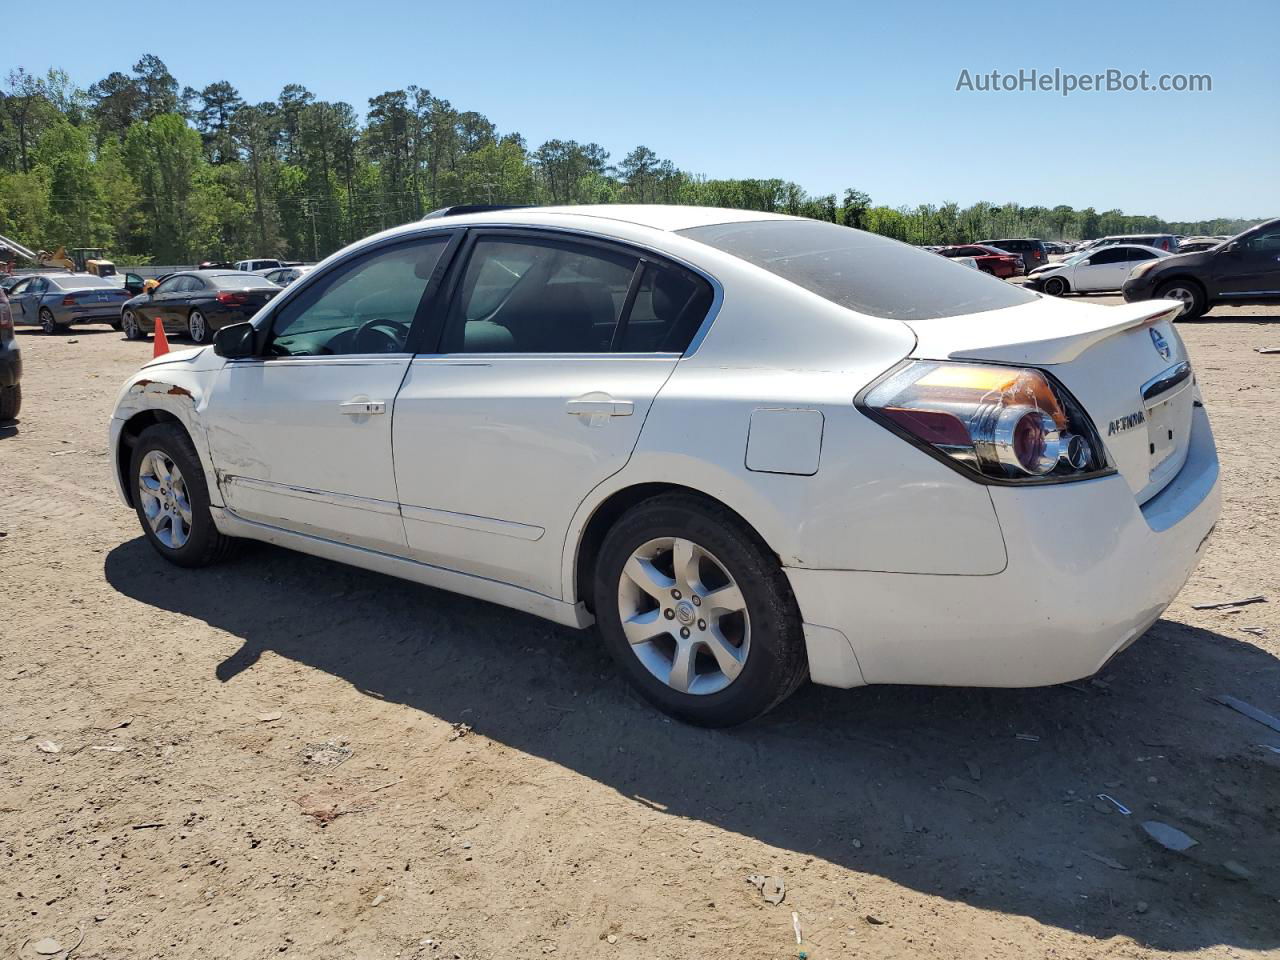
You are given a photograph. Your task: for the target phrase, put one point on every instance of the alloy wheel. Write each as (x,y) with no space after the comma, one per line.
(129,322)
(1183,296)
(684,616)
(197,326)
(165,502)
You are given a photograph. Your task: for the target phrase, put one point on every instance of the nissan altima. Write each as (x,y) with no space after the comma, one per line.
(751,449)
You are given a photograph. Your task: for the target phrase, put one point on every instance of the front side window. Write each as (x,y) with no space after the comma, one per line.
(538,296)
(362,306)
(861,271)
(1264,243)
(172,285)
(1108,256)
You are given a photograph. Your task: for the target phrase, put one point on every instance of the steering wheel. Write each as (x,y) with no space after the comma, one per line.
(380,335)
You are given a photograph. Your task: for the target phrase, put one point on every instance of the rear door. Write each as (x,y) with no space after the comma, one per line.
(552,351)
(301,436)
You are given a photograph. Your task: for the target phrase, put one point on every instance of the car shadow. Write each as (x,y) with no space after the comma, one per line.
(984,797)
(68,332)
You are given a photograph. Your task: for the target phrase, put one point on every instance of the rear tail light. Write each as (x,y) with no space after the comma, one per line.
(226,296)
(6,316)
(1006,424)
(68,301)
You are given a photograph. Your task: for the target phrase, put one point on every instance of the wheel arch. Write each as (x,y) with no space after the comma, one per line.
(1187,278)
(146,402)
(593,525)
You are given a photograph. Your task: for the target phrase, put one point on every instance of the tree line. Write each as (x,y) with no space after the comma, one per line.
(158,172)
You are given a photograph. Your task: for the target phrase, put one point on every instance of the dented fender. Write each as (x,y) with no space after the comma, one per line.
(176,385)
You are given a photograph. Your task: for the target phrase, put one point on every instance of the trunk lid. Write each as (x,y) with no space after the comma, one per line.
(1126,365)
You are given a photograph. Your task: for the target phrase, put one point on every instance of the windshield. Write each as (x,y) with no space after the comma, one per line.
(862,271)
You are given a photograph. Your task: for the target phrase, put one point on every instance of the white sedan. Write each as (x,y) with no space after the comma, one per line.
(1096,270)
(750,448)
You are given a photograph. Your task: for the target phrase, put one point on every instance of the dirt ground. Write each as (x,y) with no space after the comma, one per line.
(504,796)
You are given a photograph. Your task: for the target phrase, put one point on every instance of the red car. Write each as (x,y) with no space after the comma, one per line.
(993,260)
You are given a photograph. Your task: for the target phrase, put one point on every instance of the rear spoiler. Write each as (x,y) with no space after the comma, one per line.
(1039,334)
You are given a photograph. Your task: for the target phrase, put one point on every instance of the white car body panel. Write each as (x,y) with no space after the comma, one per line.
(479,477)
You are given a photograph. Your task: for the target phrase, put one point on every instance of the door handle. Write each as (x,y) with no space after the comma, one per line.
(599,408)
(362,408)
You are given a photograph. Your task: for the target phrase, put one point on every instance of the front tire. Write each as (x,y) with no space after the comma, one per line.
(1055,287)
(1189,294)
(172,499)
(198,327)
(47,323)
(697,612)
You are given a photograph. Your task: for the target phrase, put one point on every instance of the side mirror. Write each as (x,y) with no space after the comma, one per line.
(1232,247)
(236,342)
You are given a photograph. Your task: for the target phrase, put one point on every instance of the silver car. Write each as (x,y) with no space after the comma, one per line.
(57,301)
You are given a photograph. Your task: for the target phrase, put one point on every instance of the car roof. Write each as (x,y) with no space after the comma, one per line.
(658,216)
(1135,246)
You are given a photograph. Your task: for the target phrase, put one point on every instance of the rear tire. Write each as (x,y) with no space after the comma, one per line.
(197,327)
(1194,303)
(171,498)
(733,664)
(132,328)
(10,402)
(47,323)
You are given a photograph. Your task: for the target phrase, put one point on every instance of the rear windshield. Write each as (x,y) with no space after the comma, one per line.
(240,281)
(80,283)
(862,271)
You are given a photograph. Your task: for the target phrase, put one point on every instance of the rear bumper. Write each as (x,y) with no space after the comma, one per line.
(1089,571)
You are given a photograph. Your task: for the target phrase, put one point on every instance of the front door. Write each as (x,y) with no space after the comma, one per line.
(301,437)
(552,352)
(1106,270)
(1251,269)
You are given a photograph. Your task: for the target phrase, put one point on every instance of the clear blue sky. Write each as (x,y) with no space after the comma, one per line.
(829,94)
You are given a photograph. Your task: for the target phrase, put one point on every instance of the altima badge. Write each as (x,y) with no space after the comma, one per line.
(1162,345)
(1127,423)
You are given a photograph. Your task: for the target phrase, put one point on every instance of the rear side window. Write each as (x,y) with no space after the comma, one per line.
(862,271)
(669,307)
(538,296)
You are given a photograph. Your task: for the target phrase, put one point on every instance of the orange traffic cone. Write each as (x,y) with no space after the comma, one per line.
(161,341)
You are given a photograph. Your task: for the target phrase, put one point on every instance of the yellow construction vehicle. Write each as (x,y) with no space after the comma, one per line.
(81,260)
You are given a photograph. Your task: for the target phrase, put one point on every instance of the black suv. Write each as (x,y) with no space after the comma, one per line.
(1034,253)
(1242,270)
(10,364)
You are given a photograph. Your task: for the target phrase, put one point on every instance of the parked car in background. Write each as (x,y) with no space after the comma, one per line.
(1055,248)
(10,364)
(1197,244)
(1032,252)
(1243,270)
(253,266)
(1161,241)
(1092,271)
(196,303)
(998,263)
(56,301)
(604,414)
(285,275)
